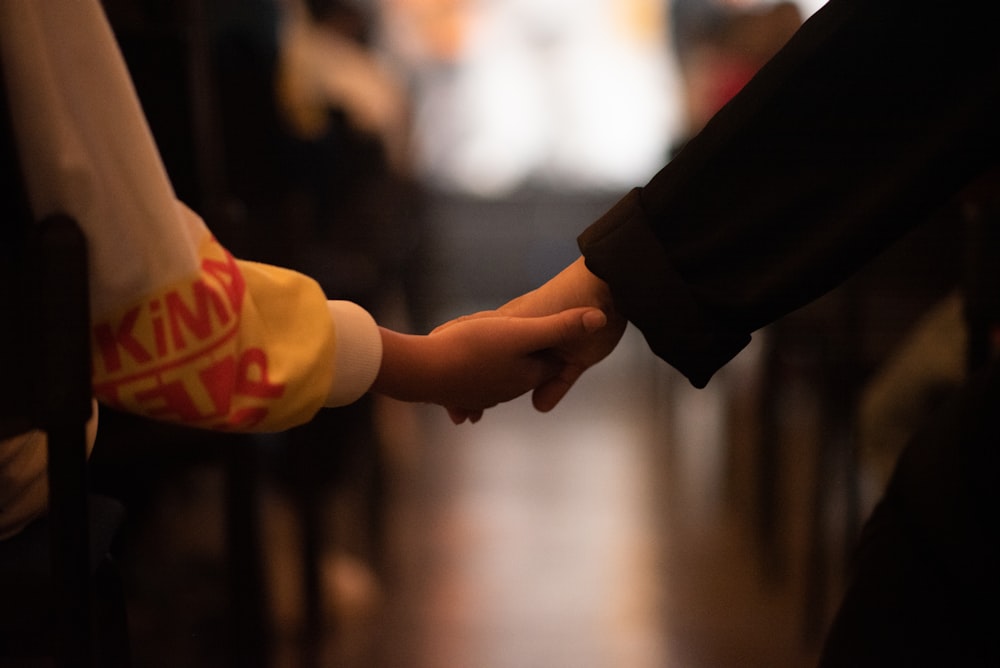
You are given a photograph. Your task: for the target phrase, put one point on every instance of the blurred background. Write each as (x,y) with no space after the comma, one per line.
(428,158)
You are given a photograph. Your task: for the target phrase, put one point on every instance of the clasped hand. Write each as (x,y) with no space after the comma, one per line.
(574,295)
(477,362)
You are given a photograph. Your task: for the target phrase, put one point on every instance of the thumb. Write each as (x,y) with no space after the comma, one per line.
(593,320)
(566,327)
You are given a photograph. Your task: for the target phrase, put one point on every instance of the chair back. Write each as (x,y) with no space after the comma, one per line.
(45,367)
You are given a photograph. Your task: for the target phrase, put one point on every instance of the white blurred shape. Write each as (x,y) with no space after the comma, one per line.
(552,91)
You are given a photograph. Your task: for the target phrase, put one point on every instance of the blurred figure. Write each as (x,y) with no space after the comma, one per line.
(345,127)
(928,365)
(720,45)
(562,94)
(325,65)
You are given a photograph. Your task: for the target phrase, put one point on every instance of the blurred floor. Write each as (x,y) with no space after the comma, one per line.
(609,533)
(535,540)
(617,531)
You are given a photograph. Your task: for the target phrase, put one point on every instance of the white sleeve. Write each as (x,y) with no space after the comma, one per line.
(358,352)
(92,155)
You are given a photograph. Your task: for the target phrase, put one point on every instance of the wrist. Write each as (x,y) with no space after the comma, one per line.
(594,291)
(402,374)
(389,380)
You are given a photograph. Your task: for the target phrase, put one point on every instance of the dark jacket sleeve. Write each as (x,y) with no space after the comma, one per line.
(874,114)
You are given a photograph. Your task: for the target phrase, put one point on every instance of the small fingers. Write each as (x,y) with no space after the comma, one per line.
(535,359)
(548,394)
(460,415)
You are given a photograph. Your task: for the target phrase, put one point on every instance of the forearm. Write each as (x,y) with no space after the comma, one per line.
(874,114)
(846,140)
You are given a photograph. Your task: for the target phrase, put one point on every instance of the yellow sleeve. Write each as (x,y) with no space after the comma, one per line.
(237,346)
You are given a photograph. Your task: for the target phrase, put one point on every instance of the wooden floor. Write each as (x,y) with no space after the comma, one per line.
(618,531)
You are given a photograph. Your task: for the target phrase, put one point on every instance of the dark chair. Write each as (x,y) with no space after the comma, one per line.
(834,345)
(981,212)
(60,599)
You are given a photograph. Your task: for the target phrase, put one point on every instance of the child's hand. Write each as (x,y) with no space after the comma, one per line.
(476,363)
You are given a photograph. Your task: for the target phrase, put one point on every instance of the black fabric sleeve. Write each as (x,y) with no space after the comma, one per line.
(874,114)
(622,249)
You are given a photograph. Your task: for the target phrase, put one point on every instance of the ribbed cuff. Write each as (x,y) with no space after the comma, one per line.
(357,355)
